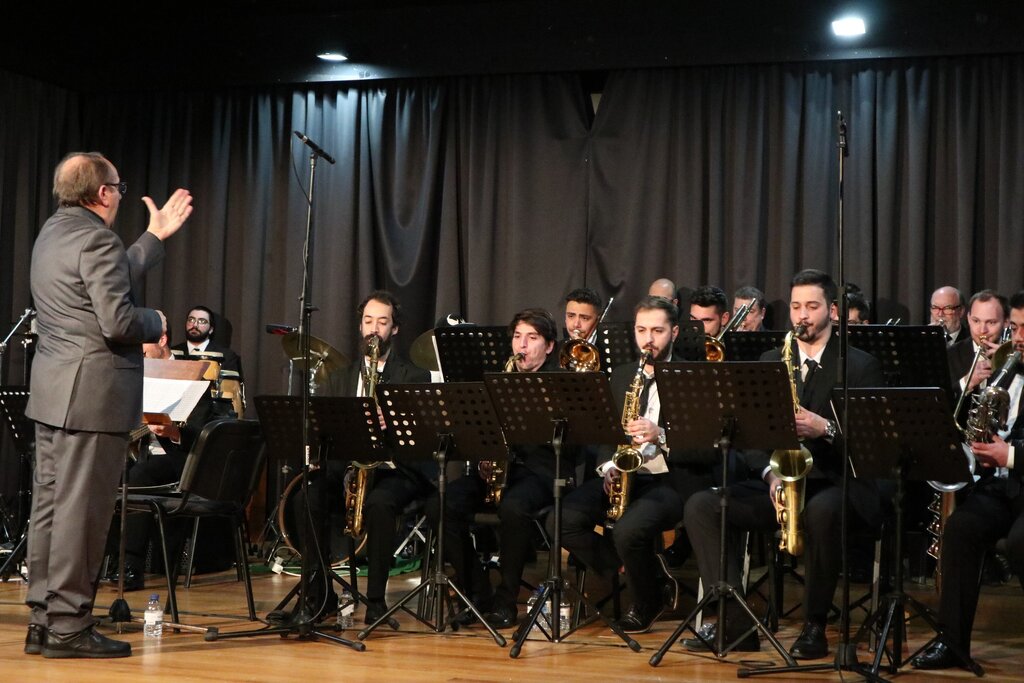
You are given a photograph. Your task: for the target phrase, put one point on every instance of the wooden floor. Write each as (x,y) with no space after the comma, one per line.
(415,654)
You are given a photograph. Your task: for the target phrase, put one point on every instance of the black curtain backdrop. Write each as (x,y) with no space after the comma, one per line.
(483,195)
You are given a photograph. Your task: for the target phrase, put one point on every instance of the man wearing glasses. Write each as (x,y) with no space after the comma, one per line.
(947,309)
(86,393)
(199,340)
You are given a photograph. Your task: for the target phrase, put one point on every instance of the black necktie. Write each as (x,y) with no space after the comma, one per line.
(812,365)
(645,395)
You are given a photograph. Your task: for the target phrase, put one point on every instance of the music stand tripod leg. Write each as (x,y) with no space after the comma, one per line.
(440,581)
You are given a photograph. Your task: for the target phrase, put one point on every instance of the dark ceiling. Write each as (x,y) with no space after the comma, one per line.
(116,46)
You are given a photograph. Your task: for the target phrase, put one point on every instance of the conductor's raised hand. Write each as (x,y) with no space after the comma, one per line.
(166,220)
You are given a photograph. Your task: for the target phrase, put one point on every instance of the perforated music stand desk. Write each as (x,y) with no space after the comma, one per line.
(556,408)
(906,435)
(466,352)
(749,346)
(439,421)
(725,406)
(689,345)
(13,402)
(616,344)
(911,356)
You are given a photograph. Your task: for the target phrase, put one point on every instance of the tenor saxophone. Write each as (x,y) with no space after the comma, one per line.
(627,458)
(792,467)
(497,474)
(359,475)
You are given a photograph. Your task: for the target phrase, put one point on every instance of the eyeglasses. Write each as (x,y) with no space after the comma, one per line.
(197,321)
(122,187)
(944,309)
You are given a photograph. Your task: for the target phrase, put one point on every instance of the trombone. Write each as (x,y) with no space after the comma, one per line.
(714,347)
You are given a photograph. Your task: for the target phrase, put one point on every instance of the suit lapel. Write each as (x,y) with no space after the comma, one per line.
(816,396)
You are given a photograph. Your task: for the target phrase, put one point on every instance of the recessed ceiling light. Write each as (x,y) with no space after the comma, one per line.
(848,26)
(333,56)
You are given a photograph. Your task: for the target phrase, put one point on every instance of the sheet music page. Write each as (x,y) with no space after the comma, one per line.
(174,397)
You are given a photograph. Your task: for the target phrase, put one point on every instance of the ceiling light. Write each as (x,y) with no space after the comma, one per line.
(848,27)
(333,56)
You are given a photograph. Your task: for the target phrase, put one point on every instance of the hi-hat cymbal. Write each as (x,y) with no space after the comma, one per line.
(422,352)
(332,359)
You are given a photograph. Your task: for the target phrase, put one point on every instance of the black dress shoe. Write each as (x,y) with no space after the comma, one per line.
(375,609)
(637,620)
(751,643)
(35,639)
(938,656)
(83,644)
(811,643)
(502,616)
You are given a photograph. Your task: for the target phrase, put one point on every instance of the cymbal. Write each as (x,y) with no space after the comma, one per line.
(332,358)
(422,352)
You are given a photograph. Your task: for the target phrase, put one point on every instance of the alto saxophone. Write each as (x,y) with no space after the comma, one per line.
(627,458)
(497,472)
(359,475)
(791,466)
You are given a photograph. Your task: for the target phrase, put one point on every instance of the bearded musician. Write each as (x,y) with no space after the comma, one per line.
(394,485)
(529,481)
(753,497)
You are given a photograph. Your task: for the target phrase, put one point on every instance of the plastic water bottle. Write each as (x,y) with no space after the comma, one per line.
(153,623)
(564,617)
(346,608)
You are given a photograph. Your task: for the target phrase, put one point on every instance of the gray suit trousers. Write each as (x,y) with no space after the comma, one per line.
(76,478)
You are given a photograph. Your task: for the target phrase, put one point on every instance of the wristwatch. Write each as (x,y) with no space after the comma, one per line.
(661,437)
(831,429)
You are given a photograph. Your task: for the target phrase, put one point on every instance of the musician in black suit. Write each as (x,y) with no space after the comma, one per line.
(993,509)
(754,322)
(654,504)
(710,306)
(529,483)
(394,485)
(986,320)
(199,338)
(582,312)
(751,502)
(946,308)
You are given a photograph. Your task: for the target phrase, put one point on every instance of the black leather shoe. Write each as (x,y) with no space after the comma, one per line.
(375,609)
(638,621)
(751,643)
(938,656)
(502,616)
(134,580)
(83,644)
(35,639)
(708,632)
(811,643)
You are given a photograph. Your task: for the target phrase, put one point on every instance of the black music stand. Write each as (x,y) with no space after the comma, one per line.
(911,356)
(560,408)
(689,345)
(749,346)
(906,435)
(617,345)
(13,401)
(466,352)
(725,405)
(437,421)
(349,420)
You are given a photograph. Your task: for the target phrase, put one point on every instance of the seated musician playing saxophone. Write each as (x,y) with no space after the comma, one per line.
(529,474)
(652,504)
(815,356)
(993,508)
(394,486)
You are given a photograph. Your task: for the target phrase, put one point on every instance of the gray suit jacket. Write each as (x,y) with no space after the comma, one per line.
(88,368)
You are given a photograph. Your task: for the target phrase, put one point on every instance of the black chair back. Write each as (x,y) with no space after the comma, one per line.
(225,462)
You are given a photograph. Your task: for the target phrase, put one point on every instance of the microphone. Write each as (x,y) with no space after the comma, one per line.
(315,147)
(274,328)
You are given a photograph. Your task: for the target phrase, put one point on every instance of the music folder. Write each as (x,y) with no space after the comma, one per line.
(171,389)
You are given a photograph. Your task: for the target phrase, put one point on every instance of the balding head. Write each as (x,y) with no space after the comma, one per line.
(664,288)
(89,180)
(947,308)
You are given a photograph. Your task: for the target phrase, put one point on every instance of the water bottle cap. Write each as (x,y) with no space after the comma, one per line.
(154,596)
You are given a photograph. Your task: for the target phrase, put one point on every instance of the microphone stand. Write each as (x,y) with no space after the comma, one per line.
(303,623)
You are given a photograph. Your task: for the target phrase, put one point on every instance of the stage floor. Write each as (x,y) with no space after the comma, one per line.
(415,654)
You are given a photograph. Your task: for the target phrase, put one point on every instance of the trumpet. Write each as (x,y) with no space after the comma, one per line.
(791,466)
(714,347)
(579,354)
(627,458)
